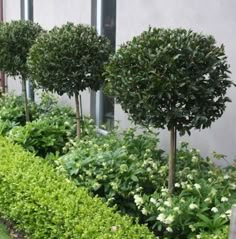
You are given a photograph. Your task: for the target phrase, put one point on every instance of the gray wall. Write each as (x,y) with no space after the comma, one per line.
(216,17)
(50,13)
(11,11)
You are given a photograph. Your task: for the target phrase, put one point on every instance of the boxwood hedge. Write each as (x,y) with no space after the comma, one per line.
(45,204)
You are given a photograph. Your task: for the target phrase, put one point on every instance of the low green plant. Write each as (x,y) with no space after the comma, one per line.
(45,204)
(115,167)
(202,201)
(131,172)
(12,108)
(41,136)
(218,234)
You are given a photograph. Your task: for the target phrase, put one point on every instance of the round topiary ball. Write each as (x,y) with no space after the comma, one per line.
(170,78)
(68,59)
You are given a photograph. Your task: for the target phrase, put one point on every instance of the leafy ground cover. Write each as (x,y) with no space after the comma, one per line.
(45,204)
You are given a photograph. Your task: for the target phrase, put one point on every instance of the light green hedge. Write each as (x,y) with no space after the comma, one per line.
(46,205)
(220,234)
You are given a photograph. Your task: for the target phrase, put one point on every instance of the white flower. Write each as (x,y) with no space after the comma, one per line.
(223,216)
(226,176)
(153,200)
(198,236)
(114,228)
(161,209)
(167,203)
(224,199)
(138,200)
(169,229)
(161,217)
(169,219)
(189,187)
(177,185)
(194,159)
(182,200)
(190,176)
(214,209)
(193,206)
(209,180)
(228,213)
(233,185)
(197,186)
(193,229)
(144,211)
(176,209)
(183,184)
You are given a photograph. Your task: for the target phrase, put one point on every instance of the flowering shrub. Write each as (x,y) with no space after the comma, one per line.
(116,167)
(131,172)
(202,201)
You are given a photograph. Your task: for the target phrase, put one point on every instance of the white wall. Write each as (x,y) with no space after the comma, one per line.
(11,11)
(216,17)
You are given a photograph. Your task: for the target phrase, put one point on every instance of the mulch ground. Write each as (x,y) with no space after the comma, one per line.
(14,233)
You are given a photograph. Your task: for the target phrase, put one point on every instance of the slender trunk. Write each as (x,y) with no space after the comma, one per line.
(77,115)
(172,158)
(81,117)
(27,117)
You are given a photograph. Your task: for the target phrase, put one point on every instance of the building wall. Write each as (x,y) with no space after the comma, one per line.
(11,11)
(50,13)
(215,17)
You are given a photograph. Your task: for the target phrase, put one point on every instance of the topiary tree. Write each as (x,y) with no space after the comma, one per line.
(170,78)
(69,59)
(16,38)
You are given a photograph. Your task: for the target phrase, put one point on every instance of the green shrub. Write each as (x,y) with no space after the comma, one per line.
(202,201)
(41,136)
(115,167)
(45,204)
(12,109)
(218,234)
(131,171)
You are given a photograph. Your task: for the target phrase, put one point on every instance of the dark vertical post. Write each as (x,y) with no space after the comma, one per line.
(93,93)
(31,18)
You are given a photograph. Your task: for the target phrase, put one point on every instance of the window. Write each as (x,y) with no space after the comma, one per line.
(104,18)
(27,13)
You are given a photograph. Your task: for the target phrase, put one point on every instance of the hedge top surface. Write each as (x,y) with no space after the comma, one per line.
(47,205)
(170,78)
(16,38)
(68,59)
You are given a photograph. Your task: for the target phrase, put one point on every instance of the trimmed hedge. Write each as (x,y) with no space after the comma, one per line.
(45,204)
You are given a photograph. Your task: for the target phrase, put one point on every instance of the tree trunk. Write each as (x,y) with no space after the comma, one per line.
(77,115)
(172,158)
(27,117)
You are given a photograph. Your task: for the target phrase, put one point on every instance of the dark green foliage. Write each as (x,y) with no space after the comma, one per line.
(12,108)
(44,204)
(218,234)
(69,59)
(42,136)
(170,78)
(16,38)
